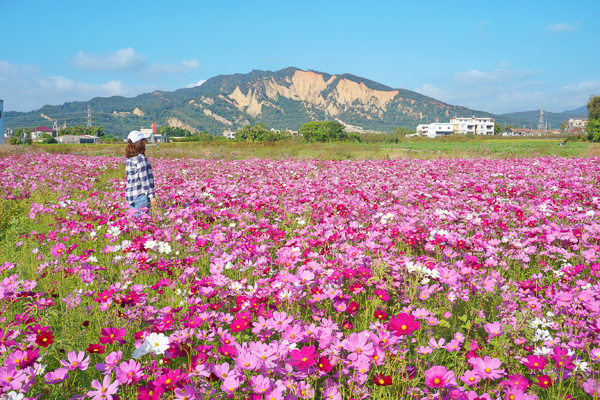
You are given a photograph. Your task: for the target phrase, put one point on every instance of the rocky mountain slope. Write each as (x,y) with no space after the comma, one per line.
(281,99)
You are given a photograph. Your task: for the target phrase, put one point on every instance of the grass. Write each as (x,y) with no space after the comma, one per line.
(414,148)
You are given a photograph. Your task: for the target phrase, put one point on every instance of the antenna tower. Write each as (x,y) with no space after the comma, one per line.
(89,117)
(541,124)
(55,126)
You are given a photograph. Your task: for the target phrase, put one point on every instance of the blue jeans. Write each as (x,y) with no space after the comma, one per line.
(139,204)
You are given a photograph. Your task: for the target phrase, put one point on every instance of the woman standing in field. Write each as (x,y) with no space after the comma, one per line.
(140,180)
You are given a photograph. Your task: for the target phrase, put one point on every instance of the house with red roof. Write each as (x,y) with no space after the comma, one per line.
(36,133)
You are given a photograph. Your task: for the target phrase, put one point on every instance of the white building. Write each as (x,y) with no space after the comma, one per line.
(154,138)
(580,123)
(229,134)
(422,129)
(37,133)
(439,129)
(1,122)
(473,126)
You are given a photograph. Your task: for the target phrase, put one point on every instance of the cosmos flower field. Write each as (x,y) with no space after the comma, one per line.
(261,279)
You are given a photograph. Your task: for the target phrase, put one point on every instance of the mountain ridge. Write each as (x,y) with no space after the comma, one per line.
(283,99)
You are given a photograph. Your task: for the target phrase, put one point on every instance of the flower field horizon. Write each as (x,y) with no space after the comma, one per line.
(258,279)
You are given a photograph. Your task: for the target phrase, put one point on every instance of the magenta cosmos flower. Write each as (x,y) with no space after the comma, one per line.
(439,377)
(109,335)
(304,358)
(403,324)
(487,367)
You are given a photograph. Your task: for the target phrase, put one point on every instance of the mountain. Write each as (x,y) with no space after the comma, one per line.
(281,99)
(527,118)
(579,111)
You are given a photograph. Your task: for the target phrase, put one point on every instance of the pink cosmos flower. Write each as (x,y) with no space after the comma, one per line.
(487,368)
(280,321)
(129,372)
(592,388)
(186,393)
(230,385)
(304,357)
(454,345)
(470,378)
(437,344)
(494,329)
(359,348)
(246,361)
(58,250)
(76,361)
(514,393)
(11,378)
(439,377)
(109,335)
(57,376)
(331,393)
(104,390)
(260,384)
(110,362)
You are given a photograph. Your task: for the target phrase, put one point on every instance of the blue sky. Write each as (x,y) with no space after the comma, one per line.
(498,56)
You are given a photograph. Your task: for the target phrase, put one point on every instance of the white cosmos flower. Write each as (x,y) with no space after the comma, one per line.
(157,343)
(142,351)
(542,351)
(581,365)
(542,334)
(12,396)
(164,247)
(150,244)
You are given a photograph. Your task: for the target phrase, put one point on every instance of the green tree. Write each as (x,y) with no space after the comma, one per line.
(593,107)
(593,129)
(402,132)
(48,139)
(260,133)
(14,140)
(324,131)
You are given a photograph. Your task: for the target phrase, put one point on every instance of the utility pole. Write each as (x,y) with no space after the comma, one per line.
(89,117)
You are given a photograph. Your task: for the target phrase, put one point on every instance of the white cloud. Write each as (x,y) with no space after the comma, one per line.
(121,60)
(477,78)
(130,61)
(481,23)
(171,69)
(193,85)
(28,89)
(508,90)
(504,64)
(561,27)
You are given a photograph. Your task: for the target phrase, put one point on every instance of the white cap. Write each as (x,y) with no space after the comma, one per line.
(136,136)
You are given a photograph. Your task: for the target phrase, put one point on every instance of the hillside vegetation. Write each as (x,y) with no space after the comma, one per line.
(283,99)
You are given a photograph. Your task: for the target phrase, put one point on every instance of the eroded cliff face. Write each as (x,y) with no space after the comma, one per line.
(177,123)
(309,87)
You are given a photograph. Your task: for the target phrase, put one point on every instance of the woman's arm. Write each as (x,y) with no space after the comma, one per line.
(147,178)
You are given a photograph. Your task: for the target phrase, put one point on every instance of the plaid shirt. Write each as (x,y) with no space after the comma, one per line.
(139,178)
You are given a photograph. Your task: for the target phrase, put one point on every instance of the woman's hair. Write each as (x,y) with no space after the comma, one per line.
(134,149)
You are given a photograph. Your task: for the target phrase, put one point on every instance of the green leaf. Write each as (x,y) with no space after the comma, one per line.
(463,318)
